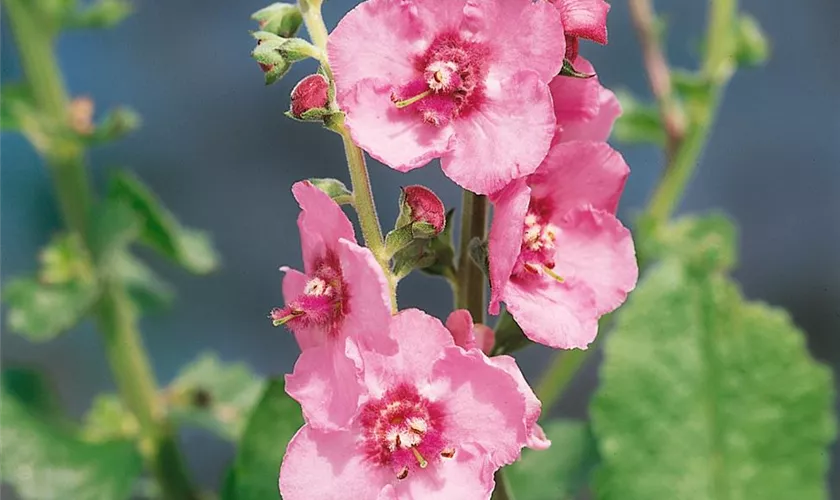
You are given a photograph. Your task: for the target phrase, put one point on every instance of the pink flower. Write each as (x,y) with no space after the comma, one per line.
(342,294)
(559,257)
(583,19)
(471,336)
(584,108)
(434,422)
(462,80)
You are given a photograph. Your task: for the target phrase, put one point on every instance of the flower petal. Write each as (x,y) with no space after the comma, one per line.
(509,209)
(599,127)
(325,382)
(360,48)
(585,18)
(483,404)
(559,315)
(327,465)
(580,172)
(593,247)
(575,99)
(533,407)
(466,476)
(504,138)
(460,324)
(321,223)
(398,138)
(523,35)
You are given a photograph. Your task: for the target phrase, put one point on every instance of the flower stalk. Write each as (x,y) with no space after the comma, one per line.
(470,278)
(114,313)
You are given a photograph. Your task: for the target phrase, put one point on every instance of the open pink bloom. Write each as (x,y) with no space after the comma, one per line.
(462,80)
(585,109)
(559,257)
(342,293)
(583,19)
(471,336)
(434,422)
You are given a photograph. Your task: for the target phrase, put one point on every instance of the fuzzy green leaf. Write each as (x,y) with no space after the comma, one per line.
(108,419)
(215,395)
(40,312)
(705,396)
(638,123)
(190,248)
(274,421)
(43,461)
(146,288)
(559,472)
(704,243)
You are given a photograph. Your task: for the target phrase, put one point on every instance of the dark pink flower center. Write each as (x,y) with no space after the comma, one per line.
(323,302)
(404,430)
(450,80)
(539,243)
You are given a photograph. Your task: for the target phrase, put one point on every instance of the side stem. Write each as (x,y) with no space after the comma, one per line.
(114,313)
(470,278)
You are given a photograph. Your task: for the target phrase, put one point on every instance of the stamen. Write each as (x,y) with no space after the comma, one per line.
(403,473)
(411,100)
(285,319)
(420,460)
(448,453)
(551,273)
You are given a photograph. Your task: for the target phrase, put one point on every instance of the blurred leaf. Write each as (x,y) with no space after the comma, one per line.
(693,88)
(160,230)
(108,419)
(706,396)
(118,123)
(98,14)
(638,123)
(281,19)
(114,226)
(147,289)
(44,462)
(274,421)
(65,260)
(704,243)
(215,395)
(31,391)
(752,48)
(15,101)
(509,335)
(559,472)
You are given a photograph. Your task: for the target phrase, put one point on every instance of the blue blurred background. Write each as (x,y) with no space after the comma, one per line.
(218,151)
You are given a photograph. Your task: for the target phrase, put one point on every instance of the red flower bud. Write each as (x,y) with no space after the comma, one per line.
(424,206)
(310,93)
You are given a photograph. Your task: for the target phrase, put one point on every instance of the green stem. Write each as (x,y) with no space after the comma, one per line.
(470,278)
(717,68)
(114,313)
(502,490)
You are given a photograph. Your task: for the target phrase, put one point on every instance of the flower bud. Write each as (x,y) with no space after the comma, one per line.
(281,19)
(310,98)
(420,205)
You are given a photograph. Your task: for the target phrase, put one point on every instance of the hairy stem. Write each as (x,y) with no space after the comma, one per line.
(717,68)
(470,278)
(114,312)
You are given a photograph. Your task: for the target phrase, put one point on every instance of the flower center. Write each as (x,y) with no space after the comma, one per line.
(404,430)
(322,302)
(539,241)
(450,81)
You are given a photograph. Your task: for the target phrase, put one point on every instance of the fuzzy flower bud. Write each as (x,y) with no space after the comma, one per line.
(422,205)
(282,19)
(310,96)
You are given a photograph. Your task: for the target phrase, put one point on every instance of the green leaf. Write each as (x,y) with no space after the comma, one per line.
(215,395)
(160,230)
(98,14)
(752,48)
(118,123)
(281,19)
(706,396)
(16,101)
(274,421)
(146,288)
(44,462)
(108,419)
(638,123)
(704,243)
(694,88)
(559,472)
(32,391)
(40,312)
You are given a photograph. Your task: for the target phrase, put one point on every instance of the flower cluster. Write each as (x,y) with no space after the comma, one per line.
(397,404)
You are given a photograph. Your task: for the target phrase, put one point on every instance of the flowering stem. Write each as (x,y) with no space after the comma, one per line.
(470,278)
(114,312)
(717,68)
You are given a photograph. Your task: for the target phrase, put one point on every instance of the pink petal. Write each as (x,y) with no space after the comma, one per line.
(378,38)
(575,99)
(460,324)
(466,476)
(594,248)
(325,382)
(369,299)
(585,18)
(523,35)
(599,127)
(328,465)
(293,284)
(533,406)
(509,209)
(485,338)
(576,173)
(559,315)
(504,138)
(321,223)
(483,404)
(421,339)
(398,138)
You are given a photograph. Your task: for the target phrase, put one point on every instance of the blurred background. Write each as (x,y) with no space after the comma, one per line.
(218,151)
